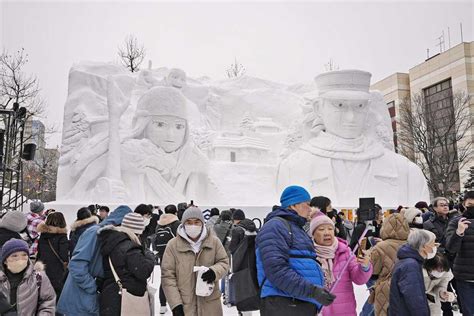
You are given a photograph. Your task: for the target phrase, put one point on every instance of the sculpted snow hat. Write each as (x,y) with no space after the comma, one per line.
(318,220)
(161,101)
(14,220)
(134,222)
(36,206)
(294,195)
(342,84)
(12,246)
(193,212)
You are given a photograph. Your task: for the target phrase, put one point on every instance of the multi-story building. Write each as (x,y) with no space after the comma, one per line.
(439,80)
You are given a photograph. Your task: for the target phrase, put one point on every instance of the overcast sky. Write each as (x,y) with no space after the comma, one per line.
(286,42)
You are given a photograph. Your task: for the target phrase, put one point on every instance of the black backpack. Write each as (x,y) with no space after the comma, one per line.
(161,238)
(244,286)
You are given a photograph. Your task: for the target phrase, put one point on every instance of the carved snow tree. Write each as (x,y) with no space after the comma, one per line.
(132,53)
(437,131)
(236,70)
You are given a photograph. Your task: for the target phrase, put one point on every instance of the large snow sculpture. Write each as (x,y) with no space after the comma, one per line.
(347,159)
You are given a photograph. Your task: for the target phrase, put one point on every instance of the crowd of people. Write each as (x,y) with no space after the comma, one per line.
(303,260)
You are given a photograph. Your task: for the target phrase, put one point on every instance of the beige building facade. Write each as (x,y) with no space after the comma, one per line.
(450,71)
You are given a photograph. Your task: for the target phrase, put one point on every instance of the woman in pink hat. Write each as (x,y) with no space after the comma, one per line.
(333,253)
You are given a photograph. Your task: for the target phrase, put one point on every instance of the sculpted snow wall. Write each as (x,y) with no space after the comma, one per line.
(158,136)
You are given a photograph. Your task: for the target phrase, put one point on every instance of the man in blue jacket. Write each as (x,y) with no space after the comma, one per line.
(79,296)
(289,276)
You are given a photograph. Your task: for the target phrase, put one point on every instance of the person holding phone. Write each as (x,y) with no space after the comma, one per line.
(333,254)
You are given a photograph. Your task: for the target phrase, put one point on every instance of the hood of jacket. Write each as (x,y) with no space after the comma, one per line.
(83,222)
(166,219)
(115,218)
(110,236)
(38,266)
(288,215)
(395,227)
(248,225)
(406,252)
(43,228)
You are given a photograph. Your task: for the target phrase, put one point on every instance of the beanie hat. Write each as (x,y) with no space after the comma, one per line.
(13,245)
(36,206)
(410,213)
(83,213)
(318,220)
(238,215)
(14,221)
(192,212)
(421,204)
(294,195)
(134,222)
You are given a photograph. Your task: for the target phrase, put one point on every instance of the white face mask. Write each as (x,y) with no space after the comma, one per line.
(431,254)
(437,274)
(17,266)
(418,220)
(146,221)
(193,231)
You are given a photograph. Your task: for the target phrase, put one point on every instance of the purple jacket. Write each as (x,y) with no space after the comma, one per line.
(345,302)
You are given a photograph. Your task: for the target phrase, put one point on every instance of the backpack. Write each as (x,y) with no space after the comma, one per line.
(161,238)
(243,283)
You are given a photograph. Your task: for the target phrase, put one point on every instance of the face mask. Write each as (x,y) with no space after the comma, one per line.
(146,221)
(17,266)
(418,220)
(193,231)
(431,254)
(469,212)
(437,274)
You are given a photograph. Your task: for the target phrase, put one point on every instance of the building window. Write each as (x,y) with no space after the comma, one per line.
(232,156)
(439,113)
(391,111)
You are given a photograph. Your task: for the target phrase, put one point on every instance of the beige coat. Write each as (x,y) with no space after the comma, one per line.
(433,287)
(179,280)
(394,234)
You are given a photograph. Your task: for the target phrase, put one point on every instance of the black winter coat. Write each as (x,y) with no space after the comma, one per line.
(407,287)
(77,228)
(6,235)
(463,247)
(438,225)
(238,233)
(132,263)
(54,267)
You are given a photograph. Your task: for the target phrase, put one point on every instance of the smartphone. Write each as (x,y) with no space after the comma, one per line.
(362,247)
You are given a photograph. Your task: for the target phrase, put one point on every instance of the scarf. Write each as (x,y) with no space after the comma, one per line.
(325,255)
(195,245)
(334,147)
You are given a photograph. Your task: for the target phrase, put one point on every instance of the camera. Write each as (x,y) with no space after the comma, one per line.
(367,210)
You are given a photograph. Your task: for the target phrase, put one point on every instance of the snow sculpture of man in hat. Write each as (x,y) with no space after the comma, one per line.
(342,162)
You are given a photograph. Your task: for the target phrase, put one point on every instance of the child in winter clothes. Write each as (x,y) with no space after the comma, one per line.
(53,249)
(25,287)
(333,253)
(436,275)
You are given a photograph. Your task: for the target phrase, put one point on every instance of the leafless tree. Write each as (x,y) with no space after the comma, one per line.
(132,53)
(40,175)
(438,135)
(236,70)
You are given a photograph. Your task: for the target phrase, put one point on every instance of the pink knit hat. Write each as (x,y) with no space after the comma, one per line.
(318,220)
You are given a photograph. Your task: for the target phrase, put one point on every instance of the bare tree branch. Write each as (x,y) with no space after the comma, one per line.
(236,70)
(132,53)
(438,136)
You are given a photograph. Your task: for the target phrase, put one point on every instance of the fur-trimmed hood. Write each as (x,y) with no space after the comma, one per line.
(79,223)
(166,219)
(43,228)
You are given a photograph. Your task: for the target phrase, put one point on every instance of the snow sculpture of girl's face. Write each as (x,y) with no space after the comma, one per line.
(167,132)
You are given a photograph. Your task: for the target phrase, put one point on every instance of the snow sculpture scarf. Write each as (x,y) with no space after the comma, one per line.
(325,255)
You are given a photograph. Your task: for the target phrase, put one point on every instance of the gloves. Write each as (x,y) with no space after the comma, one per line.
(178,311)
(323,296)
(209,276)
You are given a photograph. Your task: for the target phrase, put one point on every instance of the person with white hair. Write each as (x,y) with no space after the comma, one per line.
(407,289)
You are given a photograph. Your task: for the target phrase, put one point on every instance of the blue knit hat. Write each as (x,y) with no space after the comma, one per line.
(13,245)
(294,195)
